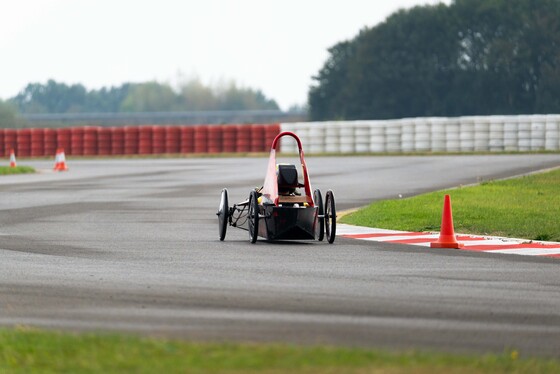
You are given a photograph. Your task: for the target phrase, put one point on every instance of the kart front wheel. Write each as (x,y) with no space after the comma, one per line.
(320,225)
(330,217)
(223,214)
(253,217)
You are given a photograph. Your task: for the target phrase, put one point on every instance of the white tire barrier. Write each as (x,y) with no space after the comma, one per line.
(467,134)
(453,135)
(432,134)
(332,137)
(347,141)
(317,138)
(437,134)
(481,133)
(408,142)
(552,129)
(362,139)
(496,134)
(377,141)
(422,134)
(511,129)
(393,137)
(538,124)
(523,133)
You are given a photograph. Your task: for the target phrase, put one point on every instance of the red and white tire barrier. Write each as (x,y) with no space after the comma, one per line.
(471,242)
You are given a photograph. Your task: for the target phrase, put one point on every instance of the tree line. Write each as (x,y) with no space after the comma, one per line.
(55,97)
(472,57)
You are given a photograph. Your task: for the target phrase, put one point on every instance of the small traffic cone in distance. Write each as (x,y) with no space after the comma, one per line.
(13,162)
(57,160)
(447,238)
(63,166)
(60,161)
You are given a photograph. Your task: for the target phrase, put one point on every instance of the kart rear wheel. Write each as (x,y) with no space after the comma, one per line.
(223,214)
(330,217)
(320,227)
(253,217)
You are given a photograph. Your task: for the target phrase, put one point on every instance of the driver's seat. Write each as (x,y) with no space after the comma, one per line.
(287,179)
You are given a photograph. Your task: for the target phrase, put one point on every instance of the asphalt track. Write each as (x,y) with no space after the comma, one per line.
(132,245)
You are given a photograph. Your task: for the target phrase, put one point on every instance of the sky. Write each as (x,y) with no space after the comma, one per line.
(272,46)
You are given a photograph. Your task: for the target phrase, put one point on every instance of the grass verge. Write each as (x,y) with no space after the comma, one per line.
(6,170)
(527,207)
(25,350)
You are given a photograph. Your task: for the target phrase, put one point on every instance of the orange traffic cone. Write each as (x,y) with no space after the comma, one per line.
(13,162)
(447,237)
(56,160)
(60,161)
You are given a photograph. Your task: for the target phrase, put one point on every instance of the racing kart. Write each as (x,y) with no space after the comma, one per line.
(283,208)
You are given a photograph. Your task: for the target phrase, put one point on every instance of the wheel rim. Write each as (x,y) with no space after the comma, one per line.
(253,217)
(223,214)
(327,218)
(320,230)
(330,217)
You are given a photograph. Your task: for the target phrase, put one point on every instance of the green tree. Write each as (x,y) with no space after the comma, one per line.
(231,97)
(398,68)
(149,97)
(196,96)
(327,97)
(54,97)
(107,100)
(50,98)
(8,116)
(503,46)
(471,57)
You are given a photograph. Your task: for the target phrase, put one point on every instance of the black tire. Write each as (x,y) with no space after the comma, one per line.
(330,217)
(320,228)
(223,214)
(253,217)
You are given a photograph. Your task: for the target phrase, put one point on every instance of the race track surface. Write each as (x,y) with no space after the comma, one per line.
(132,245)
